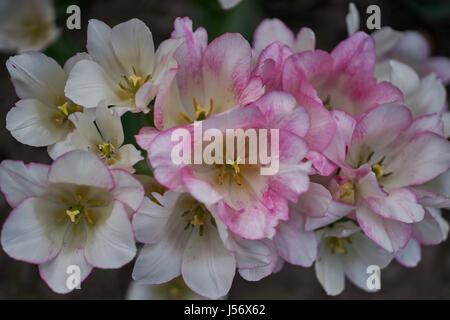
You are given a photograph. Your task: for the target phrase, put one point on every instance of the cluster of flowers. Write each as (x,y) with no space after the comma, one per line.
(363,156)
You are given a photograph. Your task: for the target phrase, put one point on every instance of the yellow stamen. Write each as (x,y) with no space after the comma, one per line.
(196,221)
(95,202)
(72,213)
(347,193)
(90,217)
(211,105)
(59,100)
(235,165)
(237,179)
(107,151)
(336,245)
(185,117)
(378,170)
(135,79)
(64,109)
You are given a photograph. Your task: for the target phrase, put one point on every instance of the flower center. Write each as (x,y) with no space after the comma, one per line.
(347,192)
(337,245)
(230,168)
(198,215)
(65,108)
(133,83)
(200,112)
(79,210)
(36,30)
(378,170)
(106,152)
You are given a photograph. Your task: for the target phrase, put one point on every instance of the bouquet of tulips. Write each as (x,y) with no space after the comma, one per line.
(354,172)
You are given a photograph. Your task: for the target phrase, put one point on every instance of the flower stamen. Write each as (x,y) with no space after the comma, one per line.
(347,192)
(107,152)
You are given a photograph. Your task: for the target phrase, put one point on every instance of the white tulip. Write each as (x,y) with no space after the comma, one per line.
(41,117)
(345,251)
(125,71)
(27,25)
(104,138)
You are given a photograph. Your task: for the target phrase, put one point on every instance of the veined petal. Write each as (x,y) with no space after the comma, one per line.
(251,254)
(149,223)
(385,39)
(208,268)
(410,255)
(258,273)
(146,136)
(355,55)
(111,244)
(81,168)
(369,252)
(399,74)
(199,189)
(160,262)
(86,135)
(305,40)
(226,70)
(71,62)
(58,149)
(127,189)
(189,57)
(337,149)
(29,234)
(330,270)
(19,181)
(33,123)
(133,45)
(314,202)
(429,97)
(89,84)
(128,156)
(294,244)
(281,112)
(335,211)
(433,229)
(410,167)
(100,48)
(389,234)
(400,205)
(378,128)
(55,272)
(164,58)
(36,76)
(271,30)
(109,124)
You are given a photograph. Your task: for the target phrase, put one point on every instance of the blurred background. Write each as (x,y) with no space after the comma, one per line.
(430,280)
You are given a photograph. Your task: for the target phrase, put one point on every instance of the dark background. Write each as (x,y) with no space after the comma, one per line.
(430,280)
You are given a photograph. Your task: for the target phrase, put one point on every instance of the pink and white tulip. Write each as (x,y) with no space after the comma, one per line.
(210,79)
(73,212)
(250,204)
(382,155)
